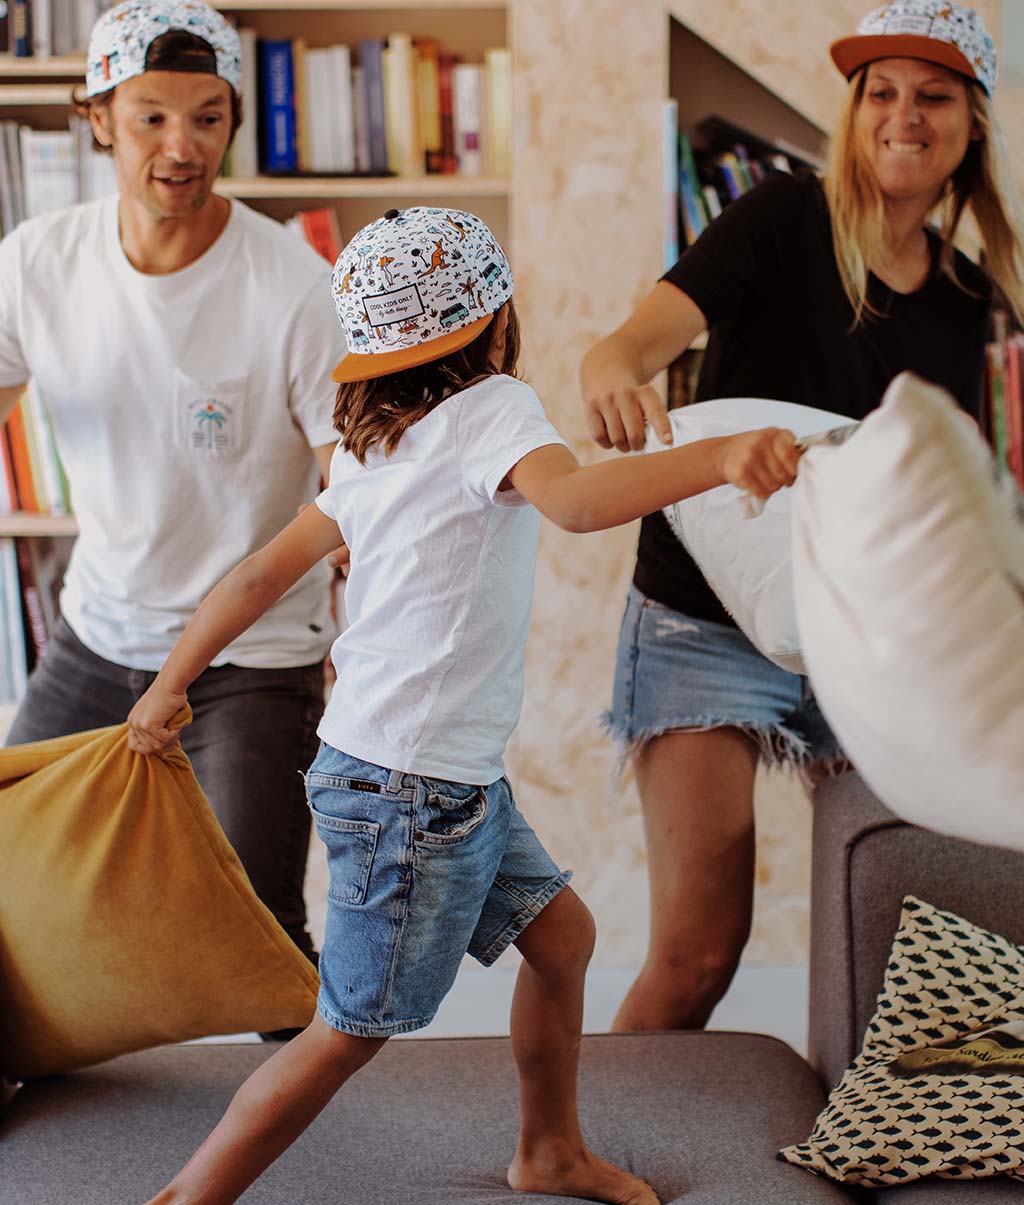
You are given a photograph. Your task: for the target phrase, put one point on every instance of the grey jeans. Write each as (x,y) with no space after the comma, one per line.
(253,731)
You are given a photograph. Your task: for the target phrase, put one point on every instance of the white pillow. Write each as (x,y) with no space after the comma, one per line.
(908,560)
(745,560)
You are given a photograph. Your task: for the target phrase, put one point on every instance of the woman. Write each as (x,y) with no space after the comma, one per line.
(818,292)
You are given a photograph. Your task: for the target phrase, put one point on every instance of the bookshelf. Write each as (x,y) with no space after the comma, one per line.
(22,523)
(718,105)
(37,92)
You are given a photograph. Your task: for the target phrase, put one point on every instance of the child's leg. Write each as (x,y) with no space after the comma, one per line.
(547,1018)
(269,1111)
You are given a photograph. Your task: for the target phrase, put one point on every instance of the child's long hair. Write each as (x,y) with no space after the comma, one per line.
(376,413)
(983,181)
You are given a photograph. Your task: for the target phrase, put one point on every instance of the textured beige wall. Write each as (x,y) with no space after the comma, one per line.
(586,229)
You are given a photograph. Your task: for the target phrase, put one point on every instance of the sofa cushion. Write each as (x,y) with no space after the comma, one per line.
(430,1122)
(746,559)
(865,861)
(908,567)
(126,919)
(937,1089)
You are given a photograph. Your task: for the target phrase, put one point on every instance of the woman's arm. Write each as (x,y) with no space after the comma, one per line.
(617,491)
(232,606)
(614,375)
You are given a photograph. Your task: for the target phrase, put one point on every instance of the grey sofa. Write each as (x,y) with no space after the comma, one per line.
(432,1121)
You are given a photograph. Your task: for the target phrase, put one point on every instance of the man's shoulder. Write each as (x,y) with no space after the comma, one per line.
(61,232)
(279,252)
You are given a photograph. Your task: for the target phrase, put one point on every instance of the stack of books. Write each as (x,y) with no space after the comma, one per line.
(31,475)
(42,170)
(41,28)
(31,574)
(398,106)
(1003,416)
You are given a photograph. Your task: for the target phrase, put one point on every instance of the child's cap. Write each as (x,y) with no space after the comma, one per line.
(937,31)
(121,39)
(416,285)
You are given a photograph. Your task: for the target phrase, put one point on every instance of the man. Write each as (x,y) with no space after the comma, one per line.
(184,346)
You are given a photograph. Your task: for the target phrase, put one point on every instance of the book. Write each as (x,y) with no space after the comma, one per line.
(445,67)
(429,102)
(49,170)
(670,183)
(467,117)
(339,82)
(46,452)
(41,25)
(320,229)
(360,121)
(371,59)
(14,627)
(8,490)
(405,150)
(498,111)
(303,157)
(20,21)
(693,216)
(18,443)
(1015,407)
(35,623)
(280,152)
(245,156)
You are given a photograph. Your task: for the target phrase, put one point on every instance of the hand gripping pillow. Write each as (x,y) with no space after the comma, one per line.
(908,560)
(746,560)
(126,919)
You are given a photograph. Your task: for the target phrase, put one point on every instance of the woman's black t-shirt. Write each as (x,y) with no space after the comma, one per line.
(764,275)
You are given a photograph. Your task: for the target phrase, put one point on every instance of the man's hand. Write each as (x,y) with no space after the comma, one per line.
(760,462)
(149,719)
(619,419)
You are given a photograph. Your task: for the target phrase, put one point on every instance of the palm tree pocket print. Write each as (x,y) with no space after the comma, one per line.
(210,417)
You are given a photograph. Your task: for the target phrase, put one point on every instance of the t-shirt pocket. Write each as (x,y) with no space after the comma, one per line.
(211,418)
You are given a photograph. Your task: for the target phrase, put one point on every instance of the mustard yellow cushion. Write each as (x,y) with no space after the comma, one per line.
(126,919)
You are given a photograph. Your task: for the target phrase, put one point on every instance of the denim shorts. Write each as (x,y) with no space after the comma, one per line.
(674,673)
(421,872)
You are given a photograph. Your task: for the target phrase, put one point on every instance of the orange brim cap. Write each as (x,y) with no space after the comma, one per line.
(362,366)
(850,53)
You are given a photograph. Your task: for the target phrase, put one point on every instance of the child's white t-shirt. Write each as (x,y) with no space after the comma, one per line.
(430,668)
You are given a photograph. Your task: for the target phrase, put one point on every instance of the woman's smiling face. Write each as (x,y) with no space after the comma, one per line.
(913,126)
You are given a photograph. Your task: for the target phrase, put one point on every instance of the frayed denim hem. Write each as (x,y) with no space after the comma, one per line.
(360,1029)
(779,747)
(523,919)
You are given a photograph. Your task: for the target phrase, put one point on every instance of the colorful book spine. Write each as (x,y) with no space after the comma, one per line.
(445,67)
(245,158)
(429,98)
(670,181)
(371,59)
(277,72)
(20,37)
(498,111)
(467,117)
(18,436)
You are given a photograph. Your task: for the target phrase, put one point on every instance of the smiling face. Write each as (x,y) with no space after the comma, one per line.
(913,126)
(169,131)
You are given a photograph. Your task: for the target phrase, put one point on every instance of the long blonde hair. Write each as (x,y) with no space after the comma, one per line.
(983,182)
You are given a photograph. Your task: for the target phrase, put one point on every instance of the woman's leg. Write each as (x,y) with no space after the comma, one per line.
(547,1017)
(270,1110)
(697,792)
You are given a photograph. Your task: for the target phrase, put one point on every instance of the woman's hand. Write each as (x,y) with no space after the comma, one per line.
(760,462)
(619,418)
(149,719)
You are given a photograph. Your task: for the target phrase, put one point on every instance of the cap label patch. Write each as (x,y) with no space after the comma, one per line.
(384,308)
(910,24)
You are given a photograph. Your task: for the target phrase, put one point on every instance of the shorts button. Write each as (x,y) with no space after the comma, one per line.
(419,834)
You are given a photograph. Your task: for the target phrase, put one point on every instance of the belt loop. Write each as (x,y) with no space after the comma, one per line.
(396,782)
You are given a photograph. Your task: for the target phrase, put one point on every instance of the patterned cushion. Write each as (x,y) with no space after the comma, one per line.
(934,1091)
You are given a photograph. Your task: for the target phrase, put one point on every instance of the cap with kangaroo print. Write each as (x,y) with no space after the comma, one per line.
(416,285)
(937,31)
(121,39)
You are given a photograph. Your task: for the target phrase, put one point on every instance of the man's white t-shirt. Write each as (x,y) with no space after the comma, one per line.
(185,406)
(440,588)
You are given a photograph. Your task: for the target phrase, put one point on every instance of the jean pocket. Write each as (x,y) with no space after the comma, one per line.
(350,845)
(450,813)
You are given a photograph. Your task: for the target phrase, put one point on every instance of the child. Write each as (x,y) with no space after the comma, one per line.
(442,452)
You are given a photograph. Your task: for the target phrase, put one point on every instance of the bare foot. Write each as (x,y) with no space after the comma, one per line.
(578,1173)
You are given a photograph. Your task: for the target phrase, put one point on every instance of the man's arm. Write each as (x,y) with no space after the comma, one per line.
(9,395)
(617,399)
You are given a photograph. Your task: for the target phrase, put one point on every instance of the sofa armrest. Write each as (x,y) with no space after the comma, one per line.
(865,860)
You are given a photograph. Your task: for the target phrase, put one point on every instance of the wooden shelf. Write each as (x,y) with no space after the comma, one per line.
(34,94)
(299,187)
(382,6)
(22,523)
(73,64)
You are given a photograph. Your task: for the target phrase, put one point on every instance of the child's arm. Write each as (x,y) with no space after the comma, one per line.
(604,495)
(232,606)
